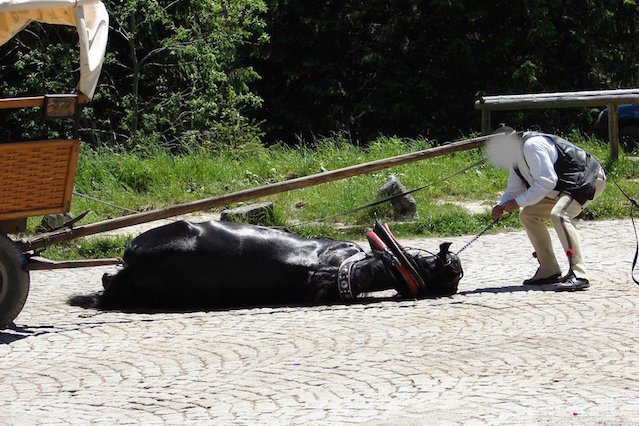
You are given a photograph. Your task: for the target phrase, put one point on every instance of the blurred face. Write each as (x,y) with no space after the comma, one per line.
(504,150)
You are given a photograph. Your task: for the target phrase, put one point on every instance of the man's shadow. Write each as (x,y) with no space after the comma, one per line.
(510,289)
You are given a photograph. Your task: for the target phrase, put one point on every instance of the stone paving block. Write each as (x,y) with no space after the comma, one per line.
(496,353)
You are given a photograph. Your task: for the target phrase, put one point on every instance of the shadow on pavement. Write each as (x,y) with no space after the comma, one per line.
(17,333)
(509,289)
(8,338)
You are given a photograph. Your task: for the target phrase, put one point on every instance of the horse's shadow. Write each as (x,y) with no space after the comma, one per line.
(368,300)
(8,338)
(17,333)
(14,333)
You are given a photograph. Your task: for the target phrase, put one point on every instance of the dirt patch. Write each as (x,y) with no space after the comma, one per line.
(472,207)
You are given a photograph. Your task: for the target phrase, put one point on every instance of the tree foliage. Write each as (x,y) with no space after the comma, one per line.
(171,75)
(414,67)
(204,72)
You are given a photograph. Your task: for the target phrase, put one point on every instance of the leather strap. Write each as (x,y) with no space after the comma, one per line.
(518,173)
(405,266)
(344,277)
(381,239)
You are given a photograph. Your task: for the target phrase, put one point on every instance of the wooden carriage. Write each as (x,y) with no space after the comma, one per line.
(36,177)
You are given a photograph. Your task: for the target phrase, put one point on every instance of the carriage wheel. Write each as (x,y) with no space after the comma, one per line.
(14,282)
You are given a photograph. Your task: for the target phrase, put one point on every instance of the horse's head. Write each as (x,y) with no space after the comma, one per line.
(440,272)
(419,273)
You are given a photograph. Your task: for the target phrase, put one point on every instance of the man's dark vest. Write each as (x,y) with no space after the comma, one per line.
(576,169)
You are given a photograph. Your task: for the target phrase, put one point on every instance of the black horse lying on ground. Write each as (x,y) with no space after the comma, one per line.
(214,264)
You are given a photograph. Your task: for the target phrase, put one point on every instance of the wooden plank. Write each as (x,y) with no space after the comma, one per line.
(504,104)
(47,239)
(613,131)
(13,226)
(34,101)
(615,92)
(25,102)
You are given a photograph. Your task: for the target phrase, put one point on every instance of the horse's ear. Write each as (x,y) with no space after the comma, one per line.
(444,250)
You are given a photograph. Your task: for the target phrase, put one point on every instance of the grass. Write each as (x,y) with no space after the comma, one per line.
(143,181)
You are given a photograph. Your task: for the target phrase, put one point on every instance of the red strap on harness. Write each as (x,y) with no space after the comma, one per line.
(390,233)
(413,288)
(412,285)
(375,239)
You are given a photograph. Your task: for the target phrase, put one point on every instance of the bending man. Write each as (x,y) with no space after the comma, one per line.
(550,178)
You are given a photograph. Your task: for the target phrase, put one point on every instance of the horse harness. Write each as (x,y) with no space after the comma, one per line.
(384,244)
(344,277)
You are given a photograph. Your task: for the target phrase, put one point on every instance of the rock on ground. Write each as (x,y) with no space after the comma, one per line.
(404,207)
(256,214)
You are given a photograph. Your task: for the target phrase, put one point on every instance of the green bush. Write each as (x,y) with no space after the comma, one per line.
(171,76)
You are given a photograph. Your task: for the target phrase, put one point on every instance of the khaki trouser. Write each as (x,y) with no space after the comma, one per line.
(561,212)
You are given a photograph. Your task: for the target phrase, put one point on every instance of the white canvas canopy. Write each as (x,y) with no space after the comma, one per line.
(88,16)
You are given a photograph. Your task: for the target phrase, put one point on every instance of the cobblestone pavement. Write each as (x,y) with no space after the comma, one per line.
(497,352)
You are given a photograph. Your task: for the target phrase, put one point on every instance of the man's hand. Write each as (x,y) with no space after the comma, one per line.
(510,206)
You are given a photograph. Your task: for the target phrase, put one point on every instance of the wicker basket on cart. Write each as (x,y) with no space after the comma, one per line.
(36,178)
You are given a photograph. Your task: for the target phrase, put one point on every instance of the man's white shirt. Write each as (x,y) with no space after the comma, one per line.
(537,165)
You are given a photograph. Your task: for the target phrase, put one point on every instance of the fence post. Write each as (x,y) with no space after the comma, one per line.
(485,121)
(613,131)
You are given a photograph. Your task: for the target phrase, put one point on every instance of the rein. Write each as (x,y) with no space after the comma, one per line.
(392,197)
(633,205)
(482,232)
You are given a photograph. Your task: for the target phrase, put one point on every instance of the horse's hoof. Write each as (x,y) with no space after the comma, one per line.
(107,279)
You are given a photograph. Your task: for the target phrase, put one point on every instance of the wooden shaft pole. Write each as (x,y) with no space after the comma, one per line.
(47,239)
(613,131)
(41,264)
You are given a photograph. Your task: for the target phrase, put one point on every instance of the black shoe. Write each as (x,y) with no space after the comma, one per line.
(542,281)
(572,283)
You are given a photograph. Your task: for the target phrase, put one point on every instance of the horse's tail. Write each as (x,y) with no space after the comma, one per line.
(86,301)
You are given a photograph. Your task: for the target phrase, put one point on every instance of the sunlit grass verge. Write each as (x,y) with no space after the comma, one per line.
(143,181)
(89,248)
